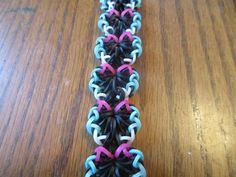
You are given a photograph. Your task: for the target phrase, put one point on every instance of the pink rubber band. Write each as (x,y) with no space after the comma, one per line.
(127,11)
(122,103)
(111,37)
(113,11)
(107,66)
(102,103)
(123,148)
(101,150)
(128,34)
(125,66)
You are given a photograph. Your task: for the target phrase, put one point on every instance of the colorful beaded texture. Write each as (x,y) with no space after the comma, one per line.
(113,121)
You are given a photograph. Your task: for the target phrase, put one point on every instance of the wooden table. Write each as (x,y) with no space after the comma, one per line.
(187,96)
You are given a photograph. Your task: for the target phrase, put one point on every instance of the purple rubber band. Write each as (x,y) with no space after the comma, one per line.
(101,150)
(127,11)
(123,148)
(125,66)
(113,11)
(122,103)
(111,37)
(102,103)
(128,34)
(107,66)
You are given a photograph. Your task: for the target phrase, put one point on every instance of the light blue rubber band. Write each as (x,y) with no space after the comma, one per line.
(137,16)
(136,160)
(137,40)
(137,152)
(102,23)
(141,173)
(88,125)
(134,84)
(89,173)
(99,41)
(93,111)
(138,2)
(137,125)
(92,85)
(89,163)
(94,74)
(134,76)
(134,114)
(98,50)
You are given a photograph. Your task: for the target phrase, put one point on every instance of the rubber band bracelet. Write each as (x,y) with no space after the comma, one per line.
(113,121)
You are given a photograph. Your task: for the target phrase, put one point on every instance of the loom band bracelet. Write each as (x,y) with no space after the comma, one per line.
(94,112)
(125,138)
(108,4)
(131,59)
(125,34)
(130,88)
(119,92)
(128,162)
(102,105)
(105,59)
(116,13)
(120,14)
(102,151)
(106,69)
(99,137)
(100,40)
(101,54)
(105,27)
(136,16)
(93,124)
(99,48)
(136,43)
(96,83)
